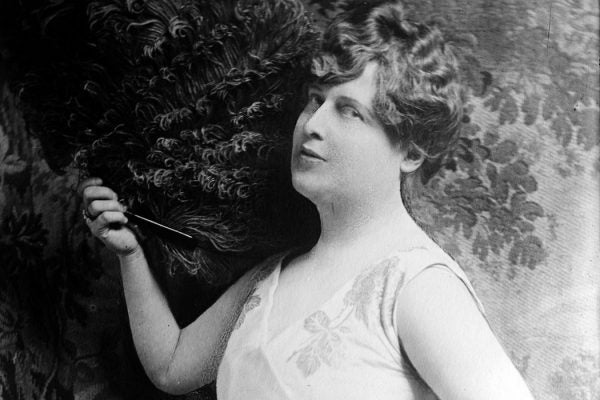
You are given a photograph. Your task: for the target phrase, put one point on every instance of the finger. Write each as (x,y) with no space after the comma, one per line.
(102,225)
(93,181)
(97,207)
(92,193)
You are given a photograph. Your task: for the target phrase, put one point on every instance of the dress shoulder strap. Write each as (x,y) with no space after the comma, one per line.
(421,259)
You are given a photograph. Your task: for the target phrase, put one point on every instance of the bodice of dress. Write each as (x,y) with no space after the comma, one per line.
(347,349)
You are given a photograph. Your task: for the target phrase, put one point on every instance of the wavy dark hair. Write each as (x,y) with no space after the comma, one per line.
(419,100)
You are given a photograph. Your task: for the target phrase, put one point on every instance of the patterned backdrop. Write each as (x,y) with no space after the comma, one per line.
(518,208)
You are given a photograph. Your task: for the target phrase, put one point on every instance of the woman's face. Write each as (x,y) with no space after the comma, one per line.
(340,151)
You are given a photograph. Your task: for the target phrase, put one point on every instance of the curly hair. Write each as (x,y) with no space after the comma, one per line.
(419,98)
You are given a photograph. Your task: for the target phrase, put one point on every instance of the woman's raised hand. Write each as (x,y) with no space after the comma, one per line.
(104,216)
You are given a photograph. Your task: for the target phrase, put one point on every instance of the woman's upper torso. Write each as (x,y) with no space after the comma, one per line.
(347,348)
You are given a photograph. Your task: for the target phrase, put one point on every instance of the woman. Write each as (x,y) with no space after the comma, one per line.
(375,309)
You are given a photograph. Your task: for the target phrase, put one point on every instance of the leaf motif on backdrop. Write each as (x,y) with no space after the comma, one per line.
(555,85)
(487,195)
(39,296)
(556,81)
(10,322)
(577,378)
(22,240)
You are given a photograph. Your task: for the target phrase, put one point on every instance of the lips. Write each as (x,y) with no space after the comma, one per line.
(307,152)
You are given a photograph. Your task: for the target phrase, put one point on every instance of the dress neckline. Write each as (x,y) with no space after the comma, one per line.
(268,337)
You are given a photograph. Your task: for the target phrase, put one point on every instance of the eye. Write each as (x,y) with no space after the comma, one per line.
(315,97)
(314,101)
(350,112)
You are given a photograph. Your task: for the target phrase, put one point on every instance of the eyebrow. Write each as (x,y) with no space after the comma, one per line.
(314,86)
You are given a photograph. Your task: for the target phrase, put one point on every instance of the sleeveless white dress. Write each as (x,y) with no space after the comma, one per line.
(346,349)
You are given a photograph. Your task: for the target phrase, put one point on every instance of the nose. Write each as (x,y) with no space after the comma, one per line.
(316,124)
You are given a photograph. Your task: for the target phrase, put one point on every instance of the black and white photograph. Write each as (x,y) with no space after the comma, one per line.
(299,199)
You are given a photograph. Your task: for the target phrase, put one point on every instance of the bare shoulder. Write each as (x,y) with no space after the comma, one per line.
(437,295)
(449,341)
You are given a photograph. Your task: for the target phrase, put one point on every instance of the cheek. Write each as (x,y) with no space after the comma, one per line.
(372,162)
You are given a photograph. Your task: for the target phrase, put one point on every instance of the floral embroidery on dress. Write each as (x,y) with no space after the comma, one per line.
(367,287)
(251,303)
(326,344)
(253,300)
(325,347)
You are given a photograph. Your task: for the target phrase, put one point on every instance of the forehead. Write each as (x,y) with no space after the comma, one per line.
(361,89)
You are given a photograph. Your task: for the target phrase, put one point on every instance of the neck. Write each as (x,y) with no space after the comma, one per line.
(368,226)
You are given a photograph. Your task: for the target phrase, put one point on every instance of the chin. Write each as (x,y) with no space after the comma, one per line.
(307,185)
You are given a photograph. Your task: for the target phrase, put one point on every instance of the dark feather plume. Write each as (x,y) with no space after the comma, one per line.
(184,107)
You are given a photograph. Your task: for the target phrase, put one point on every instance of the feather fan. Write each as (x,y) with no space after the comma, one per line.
(184,107)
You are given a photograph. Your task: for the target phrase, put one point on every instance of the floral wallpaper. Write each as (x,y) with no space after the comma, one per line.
(517,206)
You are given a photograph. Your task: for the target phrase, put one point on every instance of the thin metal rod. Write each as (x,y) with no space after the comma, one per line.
(155,224)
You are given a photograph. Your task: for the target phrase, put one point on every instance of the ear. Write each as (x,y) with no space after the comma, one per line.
(411,160)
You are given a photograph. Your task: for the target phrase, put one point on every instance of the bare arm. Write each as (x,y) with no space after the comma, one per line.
(450,343)
(176,360)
